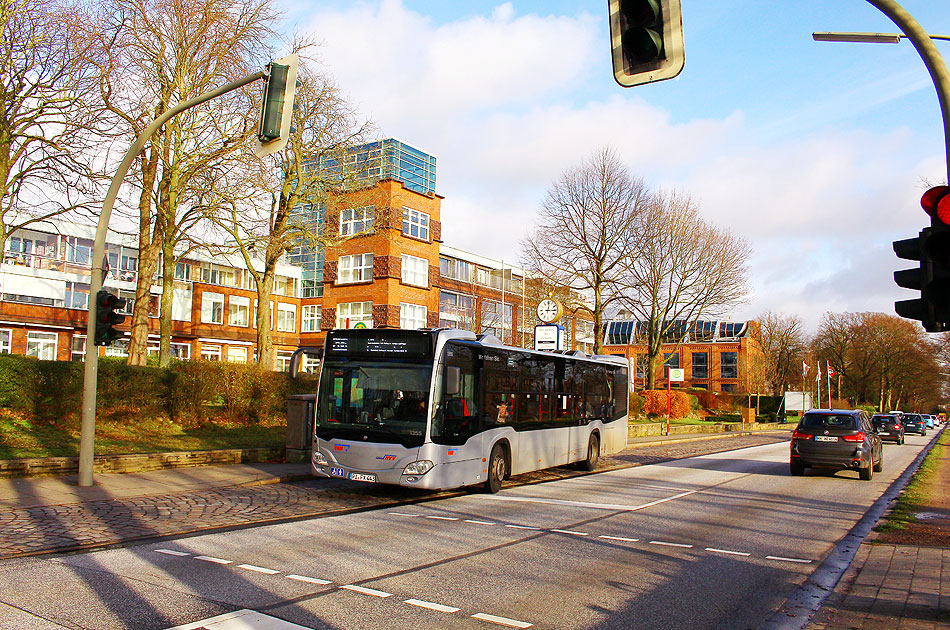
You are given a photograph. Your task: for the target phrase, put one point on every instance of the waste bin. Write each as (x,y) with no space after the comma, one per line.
(300,413)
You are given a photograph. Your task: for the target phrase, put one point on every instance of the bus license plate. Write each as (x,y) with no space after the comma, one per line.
(825,438)
(338,472)
(362,477)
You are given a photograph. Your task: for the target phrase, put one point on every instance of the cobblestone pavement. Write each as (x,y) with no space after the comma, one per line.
(59,528)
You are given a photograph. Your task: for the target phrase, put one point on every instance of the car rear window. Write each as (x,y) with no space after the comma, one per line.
(884,420)
(821,421)
(914,418)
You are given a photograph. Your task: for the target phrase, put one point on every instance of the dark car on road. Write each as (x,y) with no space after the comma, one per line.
(914,423)
(888,427)
(836,439)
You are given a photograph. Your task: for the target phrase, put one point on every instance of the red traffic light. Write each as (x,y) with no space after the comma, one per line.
(936,202)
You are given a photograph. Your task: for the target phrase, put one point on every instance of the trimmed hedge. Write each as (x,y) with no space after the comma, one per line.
(656,403)
(188,392)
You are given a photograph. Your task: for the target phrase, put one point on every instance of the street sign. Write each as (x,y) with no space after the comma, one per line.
(548,337)
(677,374)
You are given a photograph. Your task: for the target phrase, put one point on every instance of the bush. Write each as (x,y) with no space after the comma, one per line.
(636,405)
(655,403)
(187,392)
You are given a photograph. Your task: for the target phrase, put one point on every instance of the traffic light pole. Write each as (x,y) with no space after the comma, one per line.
(91,368)
(931,57)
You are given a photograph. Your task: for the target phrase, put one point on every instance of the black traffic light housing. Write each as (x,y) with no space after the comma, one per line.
(277,106)
(107,317)
(646,37)
(932,278)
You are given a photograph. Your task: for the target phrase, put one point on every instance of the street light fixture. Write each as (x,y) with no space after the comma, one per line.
(867,38)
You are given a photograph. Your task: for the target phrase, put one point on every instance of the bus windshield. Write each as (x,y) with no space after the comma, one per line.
(377,401)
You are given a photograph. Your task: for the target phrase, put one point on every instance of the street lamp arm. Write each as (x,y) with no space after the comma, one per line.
(867,38)
(929,54)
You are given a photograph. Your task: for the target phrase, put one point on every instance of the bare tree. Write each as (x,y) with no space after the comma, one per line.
(317,169)
(582,236)
(46,115)
(783,344)
(681,270)
(156,54)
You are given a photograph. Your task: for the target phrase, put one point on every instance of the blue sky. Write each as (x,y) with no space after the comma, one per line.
(814,152)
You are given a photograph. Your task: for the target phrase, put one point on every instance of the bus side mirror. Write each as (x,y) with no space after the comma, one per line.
(453,376)
(297,357)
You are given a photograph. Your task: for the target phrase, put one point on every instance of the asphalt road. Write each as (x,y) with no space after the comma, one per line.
(717,541)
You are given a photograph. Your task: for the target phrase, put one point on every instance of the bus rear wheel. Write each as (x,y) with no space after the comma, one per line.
(593,454)
(497,469)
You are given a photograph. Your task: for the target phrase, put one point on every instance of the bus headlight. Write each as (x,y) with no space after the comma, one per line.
(319,460)
(420,467)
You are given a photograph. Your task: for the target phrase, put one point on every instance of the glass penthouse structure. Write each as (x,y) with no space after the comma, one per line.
(388,158)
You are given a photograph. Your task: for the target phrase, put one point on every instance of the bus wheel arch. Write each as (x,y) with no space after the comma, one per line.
(499,466)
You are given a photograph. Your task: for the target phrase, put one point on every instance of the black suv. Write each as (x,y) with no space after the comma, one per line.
(888,427)
(836,439)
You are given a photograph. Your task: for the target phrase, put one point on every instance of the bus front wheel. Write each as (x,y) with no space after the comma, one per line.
(593,454)
(497,469)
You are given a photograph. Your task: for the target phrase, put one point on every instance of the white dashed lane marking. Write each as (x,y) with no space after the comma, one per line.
(780,558)
(670,544)
(504,621)
(431,605)
(620,538)
(726,551)
(214,560)
(255,569)
(171,552)
(366,591)
(569,531)
(473,522)
(308,580)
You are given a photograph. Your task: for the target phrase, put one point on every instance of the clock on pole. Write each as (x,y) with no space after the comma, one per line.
(549,310)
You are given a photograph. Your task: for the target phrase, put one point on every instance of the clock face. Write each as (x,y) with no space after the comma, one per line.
(548,310)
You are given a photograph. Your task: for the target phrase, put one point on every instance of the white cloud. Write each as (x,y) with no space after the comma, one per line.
(496,99)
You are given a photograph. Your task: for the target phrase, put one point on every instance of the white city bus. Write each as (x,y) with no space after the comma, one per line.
(439,409)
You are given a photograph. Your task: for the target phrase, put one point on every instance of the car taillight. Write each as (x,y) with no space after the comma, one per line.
(897,425)
(800,435)
(857,437)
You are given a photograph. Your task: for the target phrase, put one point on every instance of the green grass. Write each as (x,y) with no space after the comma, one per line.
(20,437)
(909,502)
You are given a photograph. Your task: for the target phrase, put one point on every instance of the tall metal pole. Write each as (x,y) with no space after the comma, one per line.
(931,57)
(87,431)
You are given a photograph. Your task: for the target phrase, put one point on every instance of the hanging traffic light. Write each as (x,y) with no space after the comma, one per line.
(107,317)
(647,40)
(936,249)
(277,107)
(932,278)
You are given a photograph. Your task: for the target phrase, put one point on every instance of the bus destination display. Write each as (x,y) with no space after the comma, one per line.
(412,345)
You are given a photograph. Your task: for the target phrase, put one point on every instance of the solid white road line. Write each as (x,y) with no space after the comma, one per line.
(620,538)
(251,567)
(523,527)
(171,552)
(599,506)
(214,560)
(431,605)
(366,591)
(513,623)
(308,580)
(726,551)
(788,559)
(670,544)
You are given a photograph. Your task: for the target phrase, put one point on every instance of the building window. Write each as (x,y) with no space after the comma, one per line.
(415,270)
(729,365)
(415,223)
(311,318)
(356,220)
(41,345)
(119,348)
(456,310)
(455,269)
(182,271)
(355,268)
(282,360)
(78,250)
(6,340)
(181,350)
(349,315)
(286,317)
(238,309)
(496,321)
(412,316)
(237,354)
(212,308)
(700,365)
(211,353)
(77,295)
(78,350)
(671,360)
